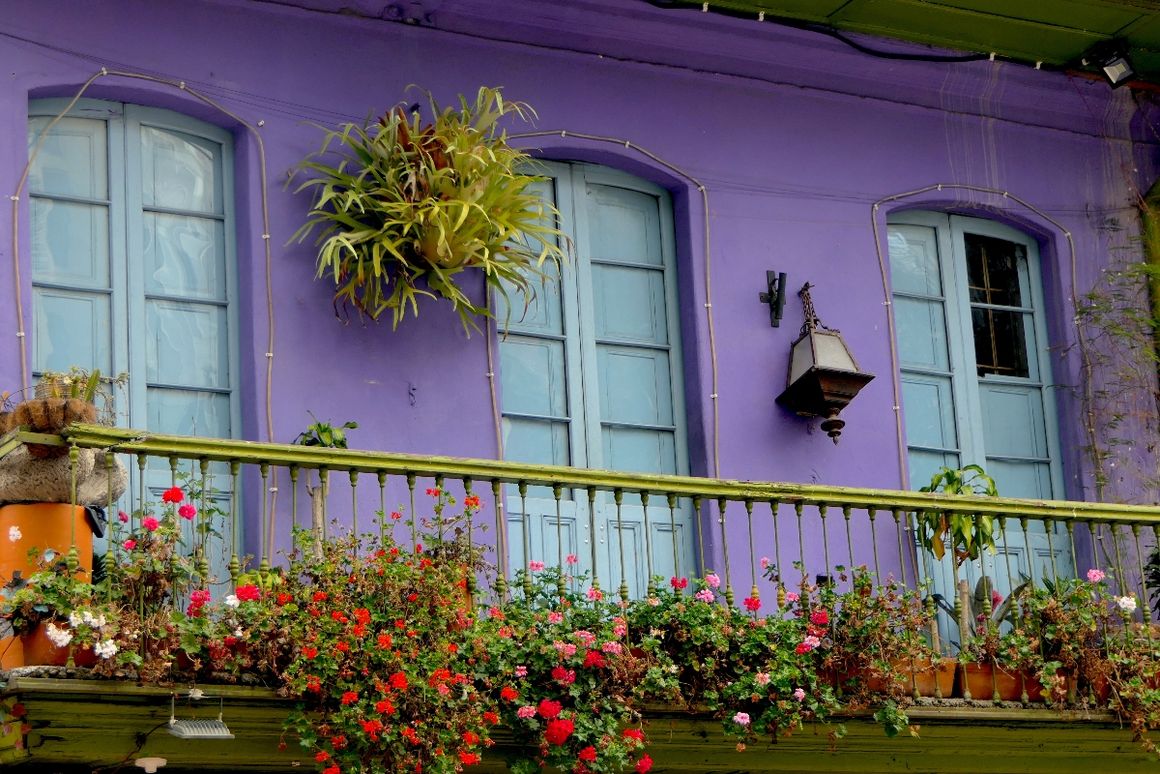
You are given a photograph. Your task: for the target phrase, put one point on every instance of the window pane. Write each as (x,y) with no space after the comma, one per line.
(922,334)
(928,403)
(184,256)
(623,225)
(914,260)
(532,376)
(1013,421)
(1000,343)
(70,243)
(537,312)
(72,160)
(993,270)
(72,329)
(178,171)
(186,344)
(640,451)
(630,304)
(527,440)
(189,412)
(635,386)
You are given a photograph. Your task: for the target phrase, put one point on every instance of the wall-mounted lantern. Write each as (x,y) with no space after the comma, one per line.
(823,375)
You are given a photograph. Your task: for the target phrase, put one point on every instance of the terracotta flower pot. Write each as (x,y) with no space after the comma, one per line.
(38,650)
(932,680)
(984,683)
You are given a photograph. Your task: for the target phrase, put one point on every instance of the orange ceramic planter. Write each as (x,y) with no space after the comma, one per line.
(929,679)
(42,526)
(984,682)
(38,650)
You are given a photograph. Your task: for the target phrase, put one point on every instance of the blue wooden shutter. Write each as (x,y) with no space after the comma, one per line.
(975,376)
(132,260)
(591,376)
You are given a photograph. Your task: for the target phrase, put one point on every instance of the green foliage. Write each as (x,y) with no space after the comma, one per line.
(564,674)
(967,535)
(894,720)
(401,208)
(324,434)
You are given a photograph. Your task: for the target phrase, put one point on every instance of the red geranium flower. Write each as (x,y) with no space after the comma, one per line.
(549,709)
(507,693)
(594,660)
(173,495)
(558,731)
(633,733)
(468,758)
(644,764)
(753,604)
(588,754)
(248,593)
(399,681)
(819,618)
(350,697)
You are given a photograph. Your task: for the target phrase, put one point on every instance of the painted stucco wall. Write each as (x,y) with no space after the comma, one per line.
(794,137)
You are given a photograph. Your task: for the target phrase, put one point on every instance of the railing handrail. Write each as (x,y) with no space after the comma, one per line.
(132,441)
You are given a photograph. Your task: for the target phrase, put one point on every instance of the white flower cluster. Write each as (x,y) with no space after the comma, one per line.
(76,618)
(60,637)
(14,533)
(105,649)
(232,600)
(1127,604)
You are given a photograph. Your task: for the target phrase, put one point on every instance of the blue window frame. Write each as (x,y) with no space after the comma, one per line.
(591,377)
(133,260)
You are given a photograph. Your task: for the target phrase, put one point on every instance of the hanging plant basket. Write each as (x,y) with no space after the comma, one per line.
(402,209)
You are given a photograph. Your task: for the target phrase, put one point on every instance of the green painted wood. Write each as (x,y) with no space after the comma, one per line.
(78,725)
(1055,32)
(188,447)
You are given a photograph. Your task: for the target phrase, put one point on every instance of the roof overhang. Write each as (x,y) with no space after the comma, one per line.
(1055,34)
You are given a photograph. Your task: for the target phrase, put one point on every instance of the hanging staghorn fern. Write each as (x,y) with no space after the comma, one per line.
(402,208)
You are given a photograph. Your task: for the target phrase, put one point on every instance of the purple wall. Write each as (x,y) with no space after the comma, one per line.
(793,134)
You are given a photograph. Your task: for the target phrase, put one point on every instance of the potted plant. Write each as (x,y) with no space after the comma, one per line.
(1069,620)
(42,488)
(564,675)
(880,643)
(127,617)
(36,611)
(402,208)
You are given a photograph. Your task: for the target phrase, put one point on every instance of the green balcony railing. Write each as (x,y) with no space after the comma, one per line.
(758,537)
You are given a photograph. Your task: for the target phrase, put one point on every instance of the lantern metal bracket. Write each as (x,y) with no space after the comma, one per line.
(774,295)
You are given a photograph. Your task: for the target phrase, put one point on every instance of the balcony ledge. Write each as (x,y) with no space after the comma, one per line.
(76,724)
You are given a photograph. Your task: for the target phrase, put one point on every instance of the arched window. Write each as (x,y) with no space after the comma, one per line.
(975,369)
(133,260)
(591,377)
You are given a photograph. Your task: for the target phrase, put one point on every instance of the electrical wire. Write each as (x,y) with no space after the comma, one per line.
(821,29)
